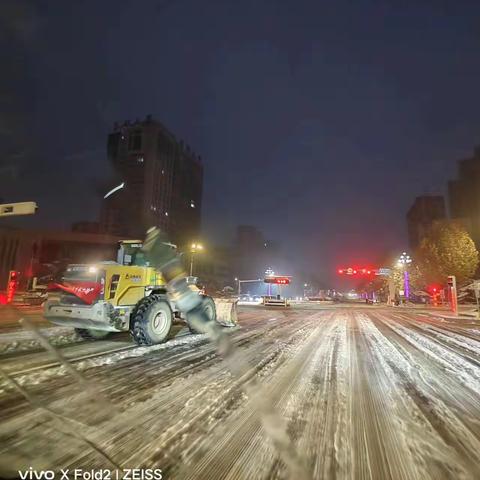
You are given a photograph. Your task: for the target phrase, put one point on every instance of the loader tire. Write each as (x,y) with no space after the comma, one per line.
(151,320)
(92,334)
(209,309)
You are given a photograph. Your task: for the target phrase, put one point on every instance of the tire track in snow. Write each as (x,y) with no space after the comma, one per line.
(365,394)
(445,402)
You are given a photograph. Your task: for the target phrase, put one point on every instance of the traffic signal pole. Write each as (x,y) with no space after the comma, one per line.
(12,285)
(13,210)
(452,290)
(246,281)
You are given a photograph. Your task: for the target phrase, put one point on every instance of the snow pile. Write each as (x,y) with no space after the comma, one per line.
(22,340)
(37,377)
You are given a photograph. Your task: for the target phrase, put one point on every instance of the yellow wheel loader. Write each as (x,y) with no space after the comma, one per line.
(126,295)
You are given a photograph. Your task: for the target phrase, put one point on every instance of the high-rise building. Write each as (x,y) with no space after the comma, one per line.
(424,211)
(464,198)
(162,179)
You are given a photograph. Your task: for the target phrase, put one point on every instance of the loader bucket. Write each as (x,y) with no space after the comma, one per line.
(226,311)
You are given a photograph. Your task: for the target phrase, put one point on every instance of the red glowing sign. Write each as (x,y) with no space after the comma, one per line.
(277,279)
(356,271)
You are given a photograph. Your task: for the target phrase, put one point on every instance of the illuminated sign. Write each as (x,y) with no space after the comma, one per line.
(278,279)
(356,271)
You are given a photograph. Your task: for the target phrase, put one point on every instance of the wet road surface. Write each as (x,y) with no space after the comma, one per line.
(356,393)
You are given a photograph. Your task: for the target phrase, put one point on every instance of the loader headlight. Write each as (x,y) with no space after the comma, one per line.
(92,269)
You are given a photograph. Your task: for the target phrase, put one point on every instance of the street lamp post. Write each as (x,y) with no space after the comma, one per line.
(196,247)
(403,262)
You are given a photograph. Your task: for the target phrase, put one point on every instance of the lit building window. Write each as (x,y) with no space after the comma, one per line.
(163,171)
(166,214)
(192,203)
(140,160)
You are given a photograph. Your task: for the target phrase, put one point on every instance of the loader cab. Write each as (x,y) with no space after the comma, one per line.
(130,253)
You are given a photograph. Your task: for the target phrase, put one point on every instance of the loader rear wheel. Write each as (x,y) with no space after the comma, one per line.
(92,334)
(151,320)
(209,309)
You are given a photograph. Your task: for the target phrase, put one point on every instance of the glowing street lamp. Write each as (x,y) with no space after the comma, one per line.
(403,262)
(195,247)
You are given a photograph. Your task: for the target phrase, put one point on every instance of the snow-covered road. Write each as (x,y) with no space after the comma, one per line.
(341,393)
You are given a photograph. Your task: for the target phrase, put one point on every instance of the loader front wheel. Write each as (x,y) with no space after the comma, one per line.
(210,313)
(151,320)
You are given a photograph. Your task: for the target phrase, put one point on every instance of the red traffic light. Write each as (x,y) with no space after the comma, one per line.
(12,285)
(12,276)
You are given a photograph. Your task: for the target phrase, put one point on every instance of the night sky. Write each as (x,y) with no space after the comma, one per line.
(318,121)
